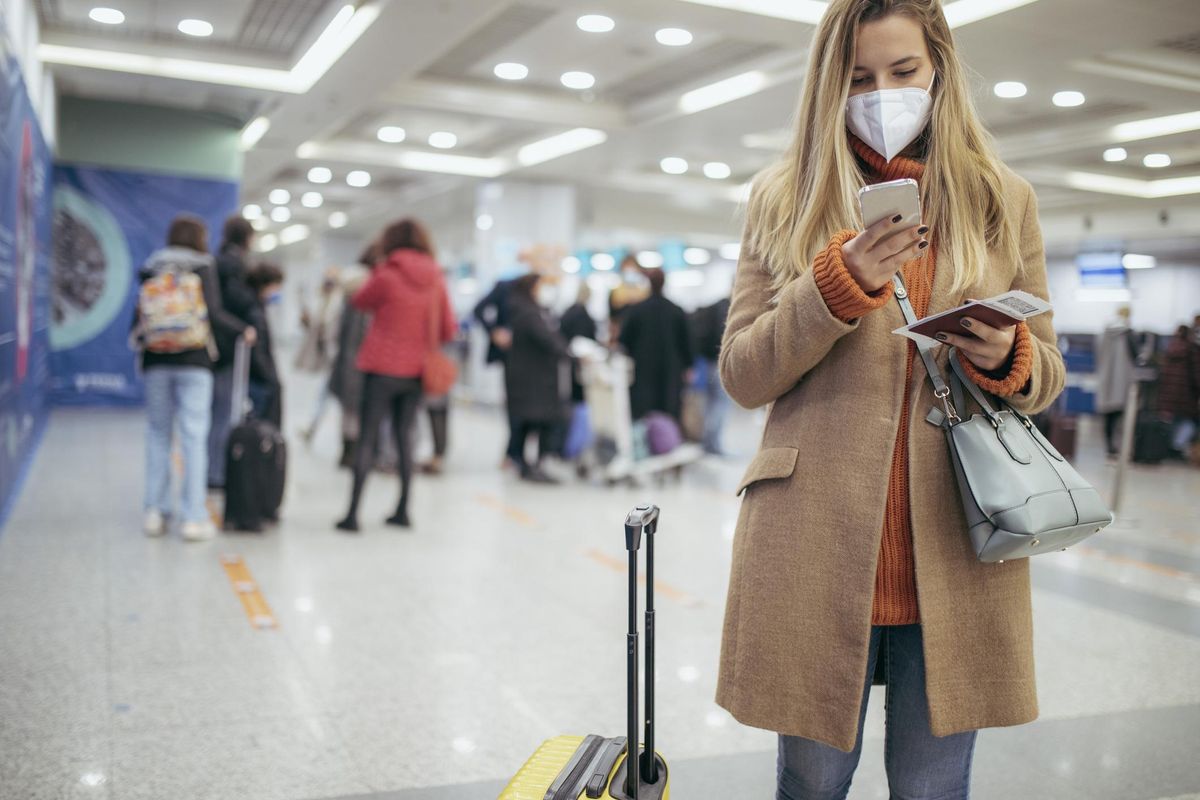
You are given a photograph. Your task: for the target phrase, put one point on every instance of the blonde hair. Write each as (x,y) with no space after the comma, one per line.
(800,202)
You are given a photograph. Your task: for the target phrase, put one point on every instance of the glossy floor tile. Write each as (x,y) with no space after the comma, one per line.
(430,663)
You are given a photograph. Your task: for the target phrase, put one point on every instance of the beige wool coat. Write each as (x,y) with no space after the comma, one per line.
(798,616)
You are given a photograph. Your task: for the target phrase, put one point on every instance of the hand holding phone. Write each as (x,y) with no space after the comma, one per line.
(894,234)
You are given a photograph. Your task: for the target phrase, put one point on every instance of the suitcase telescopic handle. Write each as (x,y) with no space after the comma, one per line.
(643,519)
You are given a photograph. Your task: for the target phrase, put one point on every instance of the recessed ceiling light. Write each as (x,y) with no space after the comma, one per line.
(650,259)
(578,80)
(359,178)
(259,224)
(280,197)
(254,131)
(281,213)
(595,23)
(1115,154)
(1157,160)
(571,264)
(106,16)
(1068,99)
(293,233)
(603,262)
(1010,89)
(391,134)
(673,165)
(717,170)
(195,27)
(674,37)
(320,174)
(485,222)
(312,200)
(697,256)
(511,71)
(731,251)
(443,140)
(338,219)
(252,212)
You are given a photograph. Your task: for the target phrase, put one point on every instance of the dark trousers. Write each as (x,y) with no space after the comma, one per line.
(521,429)
(1112,431)
(439,420)
(395,399)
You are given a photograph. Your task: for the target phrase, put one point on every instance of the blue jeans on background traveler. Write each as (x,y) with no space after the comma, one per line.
(920,766)
(716,406)
(178,398)
(218,435)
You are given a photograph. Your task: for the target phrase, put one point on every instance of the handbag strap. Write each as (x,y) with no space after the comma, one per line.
(952,395)
(435,321)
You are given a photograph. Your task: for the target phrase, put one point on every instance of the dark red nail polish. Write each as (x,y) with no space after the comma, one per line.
(897,218)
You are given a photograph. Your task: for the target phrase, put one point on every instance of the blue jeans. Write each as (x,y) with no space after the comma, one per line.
(218,435)
(920,766)
(178,397)
(716,405)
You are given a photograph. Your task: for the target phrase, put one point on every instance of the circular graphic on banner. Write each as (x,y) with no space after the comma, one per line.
(91,273)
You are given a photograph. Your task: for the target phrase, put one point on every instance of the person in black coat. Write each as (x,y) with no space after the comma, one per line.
(266,390)
(577,322)
(535,374)
(655,334)
(493,314)
(238,299)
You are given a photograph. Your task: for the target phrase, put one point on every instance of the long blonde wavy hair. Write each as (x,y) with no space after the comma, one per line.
(798,203)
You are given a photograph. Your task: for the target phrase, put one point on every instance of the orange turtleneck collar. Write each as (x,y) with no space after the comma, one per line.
(899,167)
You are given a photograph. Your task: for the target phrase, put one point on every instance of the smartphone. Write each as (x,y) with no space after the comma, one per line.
(886,200)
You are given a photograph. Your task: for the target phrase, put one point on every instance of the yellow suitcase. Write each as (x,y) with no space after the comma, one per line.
(576,767)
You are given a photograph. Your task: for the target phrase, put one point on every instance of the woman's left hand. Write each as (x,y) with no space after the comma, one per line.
(987,348)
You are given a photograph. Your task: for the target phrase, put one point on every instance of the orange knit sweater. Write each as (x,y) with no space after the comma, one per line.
(895,600)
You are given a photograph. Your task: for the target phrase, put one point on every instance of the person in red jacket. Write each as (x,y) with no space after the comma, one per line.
(411,315)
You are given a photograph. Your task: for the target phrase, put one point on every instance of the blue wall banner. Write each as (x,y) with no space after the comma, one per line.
(106,224)
(24,272)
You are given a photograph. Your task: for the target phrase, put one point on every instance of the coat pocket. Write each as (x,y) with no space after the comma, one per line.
(771,463)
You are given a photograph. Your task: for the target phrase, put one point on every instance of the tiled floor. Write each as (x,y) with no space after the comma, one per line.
(429,664)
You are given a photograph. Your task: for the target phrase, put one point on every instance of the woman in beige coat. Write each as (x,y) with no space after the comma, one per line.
(851,551)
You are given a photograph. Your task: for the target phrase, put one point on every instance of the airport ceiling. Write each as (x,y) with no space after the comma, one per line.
(408,92)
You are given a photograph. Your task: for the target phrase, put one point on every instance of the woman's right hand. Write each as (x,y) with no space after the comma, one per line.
(876,254)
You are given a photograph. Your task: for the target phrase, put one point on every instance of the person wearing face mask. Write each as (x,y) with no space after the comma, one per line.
(537,380)
(634,288)
(266,390)
(851,550)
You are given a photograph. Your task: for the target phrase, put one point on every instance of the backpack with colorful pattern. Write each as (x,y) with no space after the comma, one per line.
(174,316)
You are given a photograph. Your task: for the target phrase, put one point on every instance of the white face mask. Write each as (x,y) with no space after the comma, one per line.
(889,119)
(546,295)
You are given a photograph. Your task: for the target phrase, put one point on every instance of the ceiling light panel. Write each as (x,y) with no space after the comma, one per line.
(1156,126)
(320,175)
(673,165)
(443,140)
(359,178)
(560,145)
(1068,99)
(595,23)
(674,37)
(1010,89)
(106,16)
(721,92)
(280,197)
(196,27)
(578,80)
(312,200)
(511,71)
(391,134)
(958,13)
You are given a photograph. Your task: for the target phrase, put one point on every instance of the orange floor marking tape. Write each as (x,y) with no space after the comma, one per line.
(664,589)
(257,610)
(515,514)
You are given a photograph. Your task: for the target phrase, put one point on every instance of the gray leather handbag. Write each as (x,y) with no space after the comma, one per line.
(1020,496)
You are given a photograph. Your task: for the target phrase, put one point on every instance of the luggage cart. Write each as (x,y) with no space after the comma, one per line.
(606,382)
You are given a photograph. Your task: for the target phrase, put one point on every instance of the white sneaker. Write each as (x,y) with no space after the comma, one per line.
(199,531)
(153,523)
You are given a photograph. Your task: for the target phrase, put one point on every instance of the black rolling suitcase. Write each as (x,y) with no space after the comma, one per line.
(255,459)
(1151,439)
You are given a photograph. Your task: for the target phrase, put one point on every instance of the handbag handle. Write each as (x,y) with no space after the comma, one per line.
(435,321)
(958,377)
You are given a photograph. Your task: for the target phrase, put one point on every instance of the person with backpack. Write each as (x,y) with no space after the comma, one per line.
(178,310)
(655,335)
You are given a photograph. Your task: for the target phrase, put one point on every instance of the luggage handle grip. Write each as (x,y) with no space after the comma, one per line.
(643,766)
